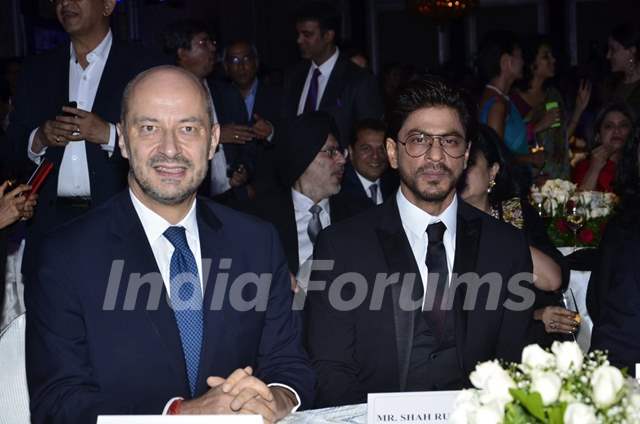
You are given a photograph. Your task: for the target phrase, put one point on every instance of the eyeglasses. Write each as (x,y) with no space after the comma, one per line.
(333,151)
(235,60)
(202,42)
(416,145)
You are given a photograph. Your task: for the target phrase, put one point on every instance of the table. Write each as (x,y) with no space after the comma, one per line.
(355,414)
(578,283)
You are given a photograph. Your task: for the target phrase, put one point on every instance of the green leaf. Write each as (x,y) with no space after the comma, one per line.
(556,413)
(515,414)
(531,402)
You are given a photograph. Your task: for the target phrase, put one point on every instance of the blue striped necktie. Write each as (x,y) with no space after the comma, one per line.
(186,301)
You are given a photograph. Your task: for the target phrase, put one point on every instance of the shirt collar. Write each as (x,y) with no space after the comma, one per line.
(416,221)
(327,66)
(100,52)
(154,225)
(365,181)
(302,203)
(254,88)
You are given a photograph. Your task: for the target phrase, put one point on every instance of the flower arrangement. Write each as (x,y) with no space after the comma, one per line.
(553,200)
(557,386)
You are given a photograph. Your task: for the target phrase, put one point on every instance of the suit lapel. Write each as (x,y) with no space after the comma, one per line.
(139,259)
(399,258)
(331,95)
(212,244)
(467,241)
(298,80)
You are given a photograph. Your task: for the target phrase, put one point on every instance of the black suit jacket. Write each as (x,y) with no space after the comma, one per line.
(42,90)
(367,348)
(351,184)
(85,344)
(617,327)
(277,207)
(351,94)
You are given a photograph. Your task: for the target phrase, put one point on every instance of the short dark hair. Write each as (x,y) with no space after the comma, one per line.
(322,12)
(628,34)
(179,34)
(252,47)
(372,124)
(429,91)
(494,45)
(530,48)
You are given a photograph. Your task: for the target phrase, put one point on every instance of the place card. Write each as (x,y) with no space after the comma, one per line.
(410,407)
(180,419)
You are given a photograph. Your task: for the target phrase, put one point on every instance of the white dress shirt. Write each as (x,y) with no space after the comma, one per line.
(366,184)
(325,73)
(154,227)
(73,177)
(415,222)
(219,179)
(301,206)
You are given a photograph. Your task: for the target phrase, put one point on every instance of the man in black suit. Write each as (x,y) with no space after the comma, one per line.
(311,165)
(366,332)
(191,44)
(92,70)
(367,174)
(326,79)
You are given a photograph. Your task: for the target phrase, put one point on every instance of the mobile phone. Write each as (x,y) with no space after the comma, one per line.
(39,175)
(73,104)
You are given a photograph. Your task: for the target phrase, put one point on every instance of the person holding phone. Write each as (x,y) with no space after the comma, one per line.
(66,104)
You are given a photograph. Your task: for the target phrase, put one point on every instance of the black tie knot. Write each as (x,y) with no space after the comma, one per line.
(435,231)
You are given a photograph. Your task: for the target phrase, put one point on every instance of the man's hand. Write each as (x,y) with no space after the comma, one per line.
(215,401)
(262,128)
(52,134)
(239,177)
(85,125)
(252,396)
(236,134)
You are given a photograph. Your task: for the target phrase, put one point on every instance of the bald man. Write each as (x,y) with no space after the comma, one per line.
(154,303)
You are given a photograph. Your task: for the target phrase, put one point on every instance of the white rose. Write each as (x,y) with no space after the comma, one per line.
(535,357)
(494,383)
(579,413)
(606,383)
(585,197)
(548,385)
(488,414)
(484,372)
(568,356)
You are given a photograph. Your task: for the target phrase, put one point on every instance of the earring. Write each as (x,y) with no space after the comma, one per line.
(492,184)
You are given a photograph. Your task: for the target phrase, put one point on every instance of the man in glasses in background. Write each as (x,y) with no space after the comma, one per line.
(66,107)
(404,256)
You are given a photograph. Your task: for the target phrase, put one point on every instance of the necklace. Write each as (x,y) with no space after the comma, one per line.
(497,90)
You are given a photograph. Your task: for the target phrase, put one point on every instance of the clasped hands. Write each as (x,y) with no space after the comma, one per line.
(75,125)
(240,134)
(242,393)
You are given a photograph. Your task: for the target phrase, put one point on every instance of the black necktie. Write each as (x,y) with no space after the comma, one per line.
(373,188)
(311,103)
(438,278)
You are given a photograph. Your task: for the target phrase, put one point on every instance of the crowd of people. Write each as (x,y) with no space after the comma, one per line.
(213,242)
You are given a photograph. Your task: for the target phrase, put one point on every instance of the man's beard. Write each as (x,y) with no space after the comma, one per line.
(410,181)
(166,199)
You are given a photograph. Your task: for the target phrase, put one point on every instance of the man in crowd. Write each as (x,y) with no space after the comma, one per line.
(425,244)
(311,165)
(326,79)
(191,44)
(367,174)
(80,139)
(101,339)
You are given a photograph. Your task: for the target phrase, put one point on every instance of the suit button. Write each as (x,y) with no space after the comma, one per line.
(433,356)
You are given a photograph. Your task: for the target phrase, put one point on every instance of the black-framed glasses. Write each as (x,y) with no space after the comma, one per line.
(237,60)
(416,145)
(333,151)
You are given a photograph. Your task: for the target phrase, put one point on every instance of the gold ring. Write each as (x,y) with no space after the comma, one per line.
(236,136)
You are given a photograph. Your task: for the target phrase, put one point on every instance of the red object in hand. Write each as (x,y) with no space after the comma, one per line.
(175,407)
(38,177)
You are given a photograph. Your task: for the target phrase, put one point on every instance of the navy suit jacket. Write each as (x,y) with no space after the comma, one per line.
(89,352)
(351,94)
(351,184)
(42,91)
(617,328)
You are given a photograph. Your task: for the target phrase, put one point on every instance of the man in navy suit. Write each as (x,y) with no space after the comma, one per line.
(92,70)
(125,316)
(326,79)
(367,174)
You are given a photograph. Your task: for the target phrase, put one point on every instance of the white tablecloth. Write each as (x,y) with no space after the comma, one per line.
(578,283)
(356,414)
